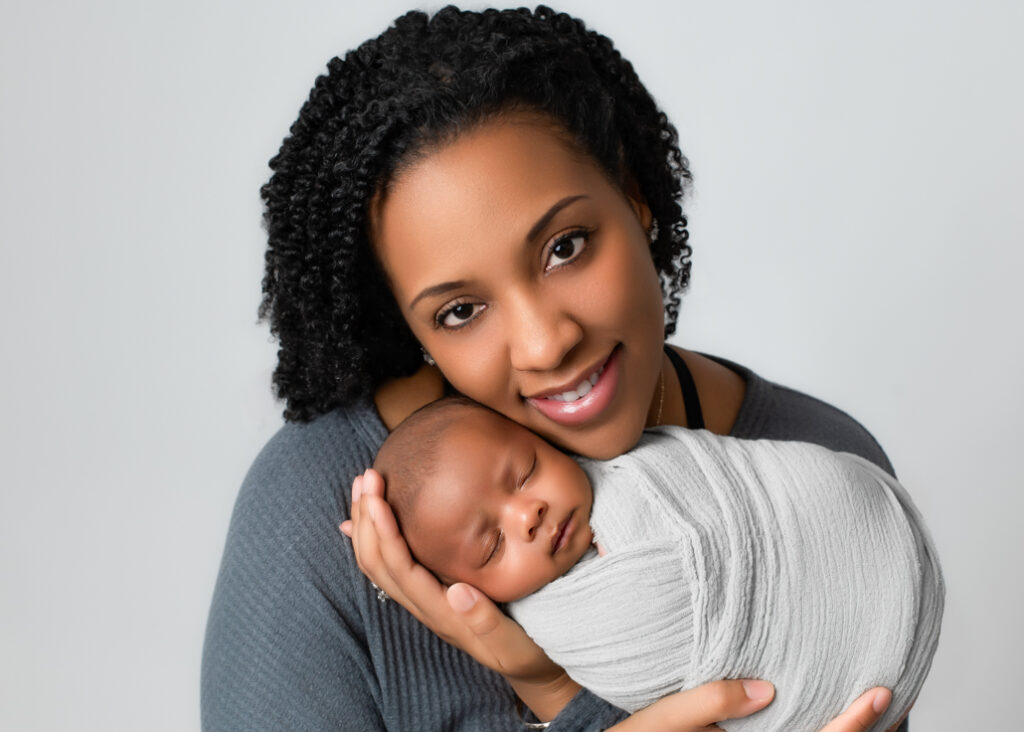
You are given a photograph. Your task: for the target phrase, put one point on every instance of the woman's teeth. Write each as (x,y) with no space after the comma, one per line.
(580,391)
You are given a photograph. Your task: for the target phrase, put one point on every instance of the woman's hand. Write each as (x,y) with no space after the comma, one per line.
(697,710)
(460,614)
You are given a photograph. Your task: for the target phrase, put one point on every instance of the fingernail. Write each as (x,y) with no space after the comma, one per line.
(462,598)
(881,702)
(758,690)
(357,488)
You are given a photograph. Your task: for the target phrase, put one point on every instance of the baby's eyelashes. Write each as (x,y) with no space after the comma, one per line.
(499,542)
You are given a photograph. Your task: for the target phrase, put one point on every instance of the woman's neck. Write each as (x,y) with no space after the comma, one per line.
(720,389)
(397,398)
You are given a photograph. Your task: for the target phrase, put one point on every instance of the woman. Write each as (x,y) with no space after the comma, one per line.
(497,195)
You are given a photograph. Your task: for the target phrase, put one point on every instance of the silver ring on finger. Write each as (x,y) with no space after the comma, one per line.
(382,596)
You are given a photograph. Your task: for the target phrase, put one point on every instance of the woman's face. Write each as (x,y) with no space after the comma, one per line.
(526,275)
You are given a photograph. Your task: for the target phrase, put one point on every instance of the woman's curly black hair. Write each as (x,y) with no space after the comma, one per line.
(418,84)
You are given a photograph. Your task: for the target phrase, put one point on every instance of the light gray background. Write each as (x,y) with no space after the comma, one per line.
(857,227)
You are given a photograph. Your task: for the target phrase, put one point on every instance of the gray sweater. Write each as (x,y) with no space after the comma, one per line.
(296,639)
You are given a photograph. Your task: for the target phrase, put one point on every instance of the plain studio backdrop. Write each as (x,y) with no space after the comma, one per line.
(856,223)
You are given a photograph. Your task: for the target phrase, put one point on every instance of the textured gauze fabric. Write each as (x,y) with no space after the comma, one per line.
(731,558)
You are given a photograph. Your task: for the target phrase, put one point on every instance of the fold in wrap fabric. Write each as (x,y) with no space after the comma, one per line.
(734,558)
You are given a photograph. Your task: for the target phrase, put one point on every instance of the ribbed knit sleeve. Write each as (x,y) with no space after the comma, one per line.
(285,643)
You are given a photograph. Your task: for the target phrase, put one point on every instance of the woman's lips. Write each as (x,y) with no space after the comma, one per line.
(588,406)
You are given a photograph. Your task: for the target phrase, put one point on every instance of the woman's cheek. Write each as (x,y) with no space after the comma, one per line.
(478,366)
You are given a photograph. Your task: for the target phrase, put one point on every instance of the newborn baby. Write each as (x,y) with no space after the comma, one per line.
(719,558)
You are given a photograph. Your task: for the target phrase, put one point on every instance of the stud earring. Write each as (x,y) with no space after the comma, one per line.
(652,233)
(427,357)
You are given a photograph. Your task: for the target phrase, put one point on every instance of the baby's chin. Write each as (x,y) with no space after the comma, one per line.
(506,594)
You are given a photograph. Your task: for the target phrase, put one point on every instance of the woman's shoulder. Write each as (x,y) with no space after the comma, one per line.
(308,464)
(297,492)
(775,412)
(287,620)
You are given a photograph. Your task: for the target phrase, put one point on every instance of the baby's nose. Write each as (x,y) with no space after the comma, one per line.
(532,517)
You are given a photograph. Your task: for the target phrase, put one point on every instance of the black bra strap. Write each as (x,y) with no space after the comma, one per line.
(694,415)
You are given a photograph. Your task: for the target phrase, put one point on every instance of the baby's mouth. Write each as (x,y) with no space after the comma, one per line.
(561,537)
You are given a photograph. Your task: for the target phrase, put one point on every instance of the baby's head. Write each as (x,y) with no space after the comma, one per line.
(481,499)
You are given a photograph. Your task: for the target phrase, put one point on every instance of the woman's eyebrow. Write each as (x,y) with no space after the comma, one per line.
(551,212)
(438,289)
(443,287)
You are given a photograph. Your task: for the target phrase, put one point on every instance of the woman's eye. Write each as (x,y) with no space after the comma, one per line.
(459,314)
(566,248)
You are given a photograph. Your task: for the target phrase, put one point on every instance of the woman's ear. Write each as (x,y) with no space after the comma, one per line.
(642,211)
(633,193)
(638,203)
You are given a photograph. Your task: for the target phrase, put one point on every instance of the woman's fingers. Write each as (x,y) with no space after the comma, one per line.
(359,528)
(499,637)
(415,587)
(365,542)
(384,557)
(699,709)
(371,484)
(463,616)
(863,713)
(730,699)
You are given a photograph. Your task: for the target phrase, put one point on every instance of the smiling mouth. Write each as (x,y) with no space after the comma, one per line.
(581,389)
(585,401)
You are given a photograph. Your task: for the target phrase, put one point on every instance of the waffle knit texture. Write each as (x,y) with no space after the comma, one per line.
(296,640)
(746,559)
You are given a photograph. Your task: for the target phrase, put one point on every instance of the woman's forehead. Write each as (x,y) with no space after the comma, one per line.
(495,181)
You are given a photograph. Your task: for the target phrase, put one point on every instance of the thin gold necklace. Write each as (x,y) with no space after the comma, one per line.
(661,399)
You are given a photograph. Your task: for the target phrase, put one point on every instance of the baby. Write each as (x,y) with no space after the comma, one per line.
(693,557)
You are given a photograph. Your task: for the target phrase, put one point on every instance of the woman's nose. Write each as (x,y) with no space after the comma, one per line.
(541,333)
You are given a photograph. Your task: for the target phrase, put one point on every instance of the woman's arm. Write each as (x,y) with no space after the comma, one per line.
(285,643)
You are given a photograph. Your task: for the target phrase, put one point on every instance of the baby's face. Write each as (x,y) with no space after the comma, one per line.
(505,511)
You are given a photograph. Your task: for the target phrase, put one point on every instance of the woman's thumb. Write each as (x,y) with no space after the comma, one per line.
(479,614)
(462,597)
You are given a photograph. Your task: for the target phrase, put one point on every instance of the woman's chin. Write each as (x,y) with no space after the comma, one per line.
(600,442)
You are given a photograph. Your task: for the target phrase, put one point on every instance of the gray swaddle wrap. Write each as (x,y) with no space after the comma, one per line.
(734,558)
